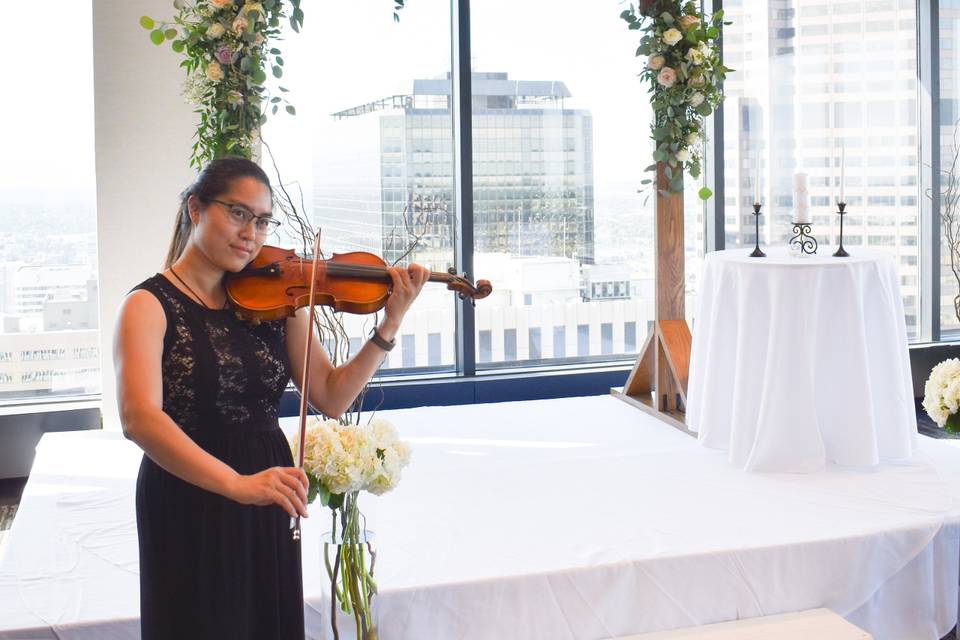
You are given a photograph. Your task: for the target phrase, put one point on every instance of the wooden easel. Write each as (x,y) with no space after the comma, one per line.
(658,382)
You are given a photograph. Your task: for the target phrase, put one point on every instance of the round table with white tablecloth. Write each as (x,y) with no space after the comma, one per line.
(800,361)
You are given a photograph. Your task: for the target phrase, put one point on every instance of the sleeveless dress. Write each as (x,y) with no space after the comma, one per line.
(211,567)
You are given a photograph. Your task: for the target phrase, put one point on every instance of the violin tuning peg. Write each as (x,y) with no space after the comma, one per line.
(452,271)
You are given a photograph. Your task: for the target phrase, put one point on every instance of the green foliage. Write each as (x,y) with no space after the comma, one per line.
(685,76)
(227,50)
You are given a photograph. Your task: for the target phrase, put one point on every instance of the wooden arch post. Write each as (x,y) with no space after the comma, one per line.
(658,382)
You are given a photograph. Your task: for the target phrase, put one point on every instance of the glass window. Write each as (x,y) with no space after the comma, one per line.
(370,151)
(842,101)
(950,165)
(559,227)
(49,339)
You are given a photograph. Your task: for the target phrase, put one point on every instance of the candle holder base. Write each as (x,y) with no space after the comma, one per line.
(842,211)
(802,242)
(756,219)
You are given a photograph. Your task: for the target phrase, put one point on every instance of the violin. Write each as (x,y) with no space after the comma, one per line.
(278,282)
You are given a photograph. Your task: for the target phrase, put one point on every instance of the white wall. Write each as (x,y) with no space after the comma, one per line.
(144,133)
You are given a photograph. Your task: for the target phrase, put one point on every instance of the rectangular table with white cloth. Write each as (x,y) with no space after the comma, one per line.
(578,518)
(800,361)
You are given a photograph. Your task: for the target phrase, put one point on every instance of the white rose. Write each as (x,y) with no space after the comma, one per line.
(683,155)
(694,56)
(704,49)
(656,62)
(693,138)
(239,25)
(214,72)
(696,99)
(672,36)
(216,30)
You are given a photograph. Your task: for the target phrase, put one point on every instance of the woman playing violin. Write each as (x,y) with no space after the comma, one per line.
(199,391)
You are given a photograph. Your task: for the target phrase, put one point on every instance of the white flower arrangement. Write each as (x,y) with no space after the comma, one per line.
(342,459)
(685,76)
(941,395)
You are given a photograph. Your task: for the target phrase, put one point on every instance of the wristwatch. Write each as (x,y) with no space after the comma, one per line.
(378,340)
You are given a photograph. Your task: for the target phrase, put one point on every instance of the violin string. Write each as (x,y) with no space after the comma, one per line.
(363,270)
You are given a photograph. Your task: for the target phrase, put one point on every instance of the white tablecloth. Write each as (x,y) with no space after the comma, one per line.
(800,361)
(572,519)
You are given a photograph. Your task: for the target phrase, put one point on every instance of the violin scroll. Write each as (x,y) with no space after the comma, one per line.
(466,289)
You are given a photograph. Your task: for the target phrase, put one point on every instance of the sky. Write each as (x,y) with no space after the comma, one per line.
(48,132)
(349,52)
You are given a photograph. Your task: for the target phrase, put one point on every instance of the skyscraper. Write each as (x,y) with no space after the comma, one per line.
(815,80)
(532,170)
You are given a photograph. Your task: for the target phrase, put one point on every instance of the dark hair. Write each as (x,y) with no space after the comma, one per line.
(214,180)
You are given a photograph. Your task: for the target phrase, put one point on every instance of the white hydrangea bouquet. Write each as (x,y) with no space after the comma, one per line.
(941,395)
(341,460)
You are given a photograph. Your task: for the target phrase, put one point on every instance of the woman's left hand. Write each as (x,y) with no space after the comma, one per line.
(407,283)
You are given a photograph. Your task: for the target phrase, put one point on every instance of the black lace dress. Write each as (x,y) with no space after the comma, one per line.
(211,567)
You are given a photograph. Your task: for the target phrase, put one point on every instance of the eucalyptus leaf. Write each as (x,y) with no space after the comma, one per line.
(705,193)
(156,36)
(147,22)
(177,45)
(324,494)
(277,71)
(291,110)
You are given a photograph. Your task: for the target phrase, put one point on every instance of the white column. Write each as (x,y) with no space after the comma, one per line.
(144,132)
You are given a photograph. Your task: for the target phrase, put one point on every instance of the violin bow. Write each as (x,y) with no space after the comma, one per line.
(305,380)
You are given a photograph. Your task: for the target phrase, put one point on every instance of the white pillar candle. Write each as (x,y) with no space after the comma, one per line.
(756,180)
(842,170)
(801,198)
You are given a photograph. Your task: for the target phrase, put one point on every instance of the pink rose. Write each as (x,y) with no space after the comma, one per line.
(667,77)
(225,55)
(688,22)
(656,61)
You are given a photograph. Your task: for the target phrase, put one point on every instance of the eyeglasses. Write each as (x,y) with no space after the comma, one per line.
(241,216)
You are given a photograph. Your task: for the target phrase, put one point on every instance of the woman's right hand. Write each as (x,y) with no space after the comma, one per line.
(283,486)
